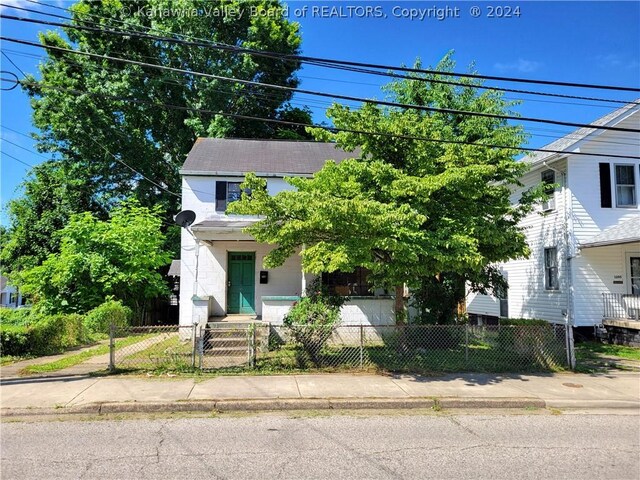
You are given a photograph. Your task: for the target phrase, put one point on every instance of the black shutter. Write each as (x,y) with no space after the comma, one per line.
(221,196)
(605,185)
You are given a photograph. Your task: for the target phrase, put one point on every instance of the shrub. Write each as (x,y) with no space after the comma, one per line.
(15,316)
(100,318)
(523,322)
(43,335)
(14,340)
(312,320)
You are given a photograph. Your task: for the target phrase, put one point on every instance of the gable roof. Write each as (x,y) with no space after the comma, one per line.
(566,142)
(233,156)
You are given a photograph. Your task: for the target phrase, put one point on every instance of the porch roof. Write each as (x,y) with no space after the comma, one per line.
(223,229)
(627,231)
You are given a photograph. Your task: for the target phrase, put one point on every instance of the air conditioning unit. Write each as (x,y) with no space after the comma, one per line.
(549,205)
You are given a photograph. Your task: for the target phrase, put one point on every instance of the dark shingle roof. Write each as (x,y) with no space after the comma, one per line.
(238,156)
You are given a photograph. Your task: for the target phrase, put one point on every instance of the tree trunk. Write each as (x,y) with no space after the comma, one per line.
(400,306)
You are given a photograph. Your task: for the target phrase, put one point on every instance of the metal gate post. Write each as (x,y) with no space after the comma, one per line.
(466,343)
(194,343)
(112,348)
(361,345)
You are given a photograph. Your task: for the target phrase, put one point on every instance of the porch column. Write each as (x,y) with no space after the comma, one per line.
(303,282)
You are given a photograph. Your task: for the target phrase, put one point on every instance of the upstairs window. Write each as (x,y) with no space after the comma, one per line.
(551,281)
(625,186)
(548,177)
(226,192)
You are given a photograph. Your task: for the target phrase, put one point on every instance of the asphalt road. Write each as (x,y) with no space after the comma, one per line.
(336,447)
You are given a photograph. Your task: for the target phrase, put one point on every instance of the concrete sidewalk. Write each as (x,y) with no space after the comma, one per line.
(85,394)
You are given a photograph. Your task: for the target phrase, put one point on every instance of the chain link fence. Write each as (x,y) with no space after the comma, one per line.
(409,348)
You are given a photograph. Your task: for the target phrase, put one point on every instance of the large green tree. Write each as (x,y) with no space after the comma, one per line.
(51,194)
(413,211)
(100,140)
(74,108)
(118,257)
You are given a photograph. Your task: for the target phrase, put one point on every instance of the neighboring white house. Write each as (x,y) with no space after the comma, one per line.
(221,270)
(10,297)
(584,266)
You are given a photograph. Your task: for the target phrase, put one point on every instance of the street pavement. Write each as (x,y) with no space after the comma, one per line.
(106,394)
(347,445)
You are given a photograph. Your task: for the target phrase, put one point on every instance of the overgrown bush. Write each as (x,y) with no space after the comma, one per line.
(523,321)
(313,319)
(14,340)
(100,318)
(15,316)
(43,335)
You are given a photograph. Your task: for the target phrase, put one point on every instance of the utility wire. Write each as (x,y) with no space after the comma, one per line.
(18,160)
(337,129)
(24,148)
(329,61)
(274,55)
(14,64)
(321,94)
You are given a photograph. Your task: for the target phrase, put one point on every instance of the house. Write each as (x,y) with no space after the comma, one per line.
(221,267)
(584,267)
(10,297)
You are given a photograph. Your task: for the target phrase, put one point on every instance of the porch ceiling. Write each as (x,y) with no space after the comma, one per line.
(627,231)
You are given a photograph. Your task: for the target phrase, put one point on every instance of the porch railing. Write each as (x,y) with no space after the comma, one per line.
(621,306)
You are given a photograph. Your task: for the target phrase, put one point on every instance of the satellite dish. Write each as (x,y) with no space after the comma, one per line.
(185,218)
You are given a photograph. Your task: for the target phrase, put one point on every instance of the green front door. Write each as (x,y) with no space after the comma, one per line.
(241,284)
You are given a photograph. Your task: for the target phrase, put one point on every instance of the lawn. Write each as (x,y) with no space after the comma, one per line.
(169,354)
(71,360)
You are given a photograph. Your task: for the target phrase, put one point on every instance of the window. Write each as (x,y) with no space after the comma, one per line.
(551,269)
(504,305)
(548,177)
(226,192)
(625,186)
(346,284)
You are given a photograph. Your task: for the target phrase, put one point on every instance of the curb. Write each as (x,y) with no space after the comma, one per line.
(283,404)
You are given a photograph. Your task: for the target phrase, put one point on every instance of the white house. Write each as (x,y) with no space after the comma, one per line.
(584,266)
(10,297)
(221,270)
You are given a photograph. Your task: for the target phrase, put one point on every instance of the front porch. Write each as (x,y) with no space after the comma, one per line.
(621,319)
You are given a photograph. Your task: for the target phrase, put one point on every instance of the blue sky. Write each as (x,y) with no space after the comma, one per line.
(579,41)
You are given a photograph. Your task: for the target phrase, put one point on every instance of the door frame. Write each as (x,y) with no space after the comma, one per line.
(627,266)
(228,280)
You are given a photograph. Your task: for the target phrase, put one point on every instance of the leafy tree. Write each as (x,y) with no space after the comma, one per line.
(72,108)
(52,193)
(118,258)
(407,209)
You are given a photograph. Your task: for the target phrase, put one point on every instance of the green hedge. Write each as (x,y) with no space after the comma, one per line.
(15,316)
(523,322)
(43,335)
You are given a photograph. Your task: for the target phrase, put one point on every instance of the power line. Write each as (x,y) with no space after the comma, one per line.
(329,61)
(24,148)
(321,94)
(13,63)
(337,129)
(18,160)
(274,55)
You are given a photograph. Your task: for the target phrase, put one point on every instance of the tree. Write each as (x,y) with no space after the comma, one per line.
(118,258)
(52,193)
(75,109)
(409,210)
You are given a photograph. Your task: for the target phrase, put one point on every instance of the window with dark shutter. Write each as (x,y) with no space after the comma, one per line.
(605,185)
(221,196)
(548,177)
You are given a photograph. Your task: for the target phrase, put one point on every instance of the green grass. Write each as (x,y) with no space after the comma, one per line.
(595,350)
(71,360)
(171,354)
(9,359)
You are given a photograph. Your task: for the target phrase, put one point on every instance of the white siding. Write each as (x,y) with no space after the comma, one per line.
(594,270)
(527,296)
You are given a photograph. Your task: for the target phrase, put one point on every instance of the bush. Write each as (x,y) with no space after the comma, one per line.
(15,316)
(100,318)
(312,320)
(523,322)
(14,340)
(43,335)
